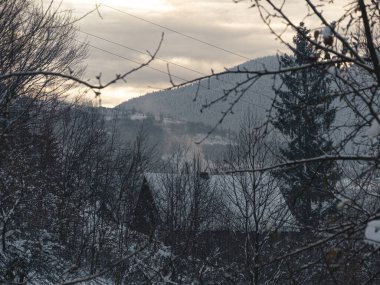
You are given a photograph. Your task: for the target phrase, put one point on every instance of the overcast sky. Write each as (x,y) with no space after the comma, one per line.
(223,23)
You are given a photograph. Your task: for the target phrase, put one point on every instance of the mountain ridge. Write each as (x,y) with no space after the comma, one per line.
(185,103)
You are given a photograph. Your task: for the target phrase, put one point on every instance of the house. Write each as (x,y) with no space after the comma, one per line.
(145,217)
(189,203)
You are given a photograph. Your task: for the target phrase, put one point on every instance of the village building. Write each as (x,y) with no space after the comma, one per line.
(207,213)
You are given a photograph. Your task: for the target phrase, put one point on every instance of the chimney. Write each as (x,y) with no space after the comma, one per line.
(204,175)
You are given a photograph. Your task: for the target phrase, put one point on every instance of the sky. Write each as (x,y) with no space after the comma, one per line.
(123,30)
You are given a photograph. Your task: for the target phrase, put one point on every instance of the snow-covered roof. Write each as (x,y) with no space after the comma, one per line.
(359,193)
(236,201)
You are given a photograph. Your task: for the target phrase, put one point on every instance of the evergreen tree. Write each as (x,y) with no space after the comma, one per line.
(146,216)
(304,115)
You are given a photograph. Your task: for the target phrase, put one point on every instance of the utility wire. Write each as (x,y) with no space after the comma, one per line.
(133,60)
(141,52)
(169,62)
(179,33)
(165,72)
(164,60)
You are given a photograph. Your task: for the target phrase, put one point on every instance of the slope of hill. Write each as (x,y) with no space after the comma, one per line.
(167,134)
(180,103)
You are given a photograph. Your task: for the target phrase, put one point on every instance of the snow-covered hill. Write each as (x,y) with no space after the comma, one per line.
(167,133)
(180,104)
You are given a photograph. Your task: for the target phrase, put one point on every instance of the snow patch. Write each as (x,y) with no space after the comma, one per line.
(138,116)
(374,130)
(171,121)
(372,233)
(212,139)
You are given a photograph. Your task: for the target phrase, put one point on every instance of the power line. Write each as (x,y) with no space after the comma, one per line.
(164,60)
(179,33)
(165,72)
(133,60)
(167,61)
(141,52)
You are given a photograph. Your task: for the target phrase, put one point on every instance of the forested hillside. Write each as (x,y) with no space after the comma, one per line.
(151,193)
(185,103)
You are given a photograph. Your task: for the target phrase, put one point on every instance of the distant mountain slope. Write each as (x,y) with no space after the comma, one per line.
(167,134)
(180,104)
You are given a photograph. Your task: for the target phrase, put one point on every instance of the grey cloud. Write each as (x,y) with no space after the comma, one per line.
(140,35)
(220,22)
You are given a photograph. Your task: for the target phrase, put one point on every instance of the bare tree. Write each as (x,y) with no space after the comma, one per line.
(57,162)
(255,203)
(188,204)
(349,48)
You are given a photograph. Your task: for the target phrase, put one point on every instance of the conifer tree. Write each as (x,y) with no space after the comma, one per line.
(304,115)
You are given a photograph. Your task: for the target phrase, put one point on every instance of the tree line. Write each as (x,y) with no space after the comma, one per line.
(288,203)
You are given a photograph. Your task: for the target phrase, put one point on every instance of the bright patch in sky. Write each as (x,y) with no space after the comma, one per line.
(144,5)
(116,95)
(132,5)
